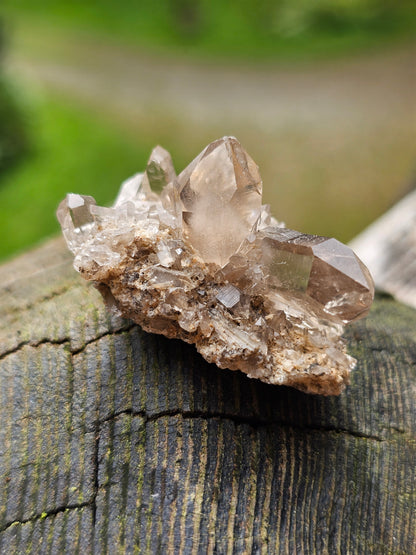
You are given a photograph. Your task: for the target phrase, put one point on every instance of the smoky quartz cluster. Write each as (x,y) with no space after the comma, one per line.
(204,261)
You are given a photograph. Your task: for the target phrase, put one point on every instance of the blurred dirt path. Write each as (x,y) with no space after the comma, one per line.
(338,136)
(268,97)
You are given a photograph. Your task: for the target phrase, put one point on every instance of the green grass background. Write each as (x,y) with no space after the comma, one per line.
(245,29)
(73,148)
(72,151)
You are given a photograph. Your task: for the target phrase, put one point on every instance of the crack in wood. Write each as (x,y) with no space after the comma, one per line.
(186,415)
(95,463)
(29,343)
(120,331)
(47,514)
(64,341)
(237,419)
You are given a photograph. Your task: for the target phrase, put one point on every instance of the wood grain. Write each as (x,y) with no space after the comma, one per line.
(117,441)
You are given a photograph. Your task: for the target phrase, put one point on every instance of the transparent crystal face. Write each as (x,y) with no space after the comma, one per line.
(221,194)
(323,269)
(131,190)
(229,296)
(206,262)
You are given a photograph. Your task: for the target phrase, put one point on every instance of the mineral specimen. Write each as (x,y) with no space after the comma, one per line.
(205,261)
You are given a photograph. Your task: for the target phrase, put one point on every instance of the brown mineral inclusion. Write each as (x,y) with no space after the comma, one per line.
(204,261)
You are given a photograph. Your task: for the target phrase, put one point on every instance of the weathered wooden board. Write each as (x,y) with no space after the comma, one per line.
(113,440)
(388,248)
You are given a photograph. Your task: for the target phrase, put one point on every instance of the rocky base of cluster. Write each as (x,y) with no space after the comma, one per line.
(190,303)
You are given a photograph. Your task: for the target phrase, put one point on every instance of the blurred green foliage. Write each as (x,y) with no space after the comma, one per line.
(13,134)
(73,152)
(249,28)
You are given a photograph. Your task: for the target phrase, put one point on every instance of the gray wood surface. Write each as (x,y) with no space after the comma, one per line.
(113,440)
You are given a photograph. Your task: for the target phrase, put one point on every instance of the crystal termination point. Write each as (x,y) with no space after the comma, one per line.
(205,262)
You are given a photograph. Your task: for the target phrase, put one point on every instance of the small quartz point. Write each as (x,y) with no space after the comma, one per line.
(159,171)
(74,215)
(204,261)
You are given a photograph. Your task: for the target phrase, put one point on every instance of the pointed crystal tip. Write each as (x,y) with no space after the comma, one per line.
(159,171)
(221,193)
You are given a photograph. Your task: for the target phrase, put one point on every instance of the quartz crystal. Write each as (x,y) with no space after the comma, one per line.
(221,195)
(204,261)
